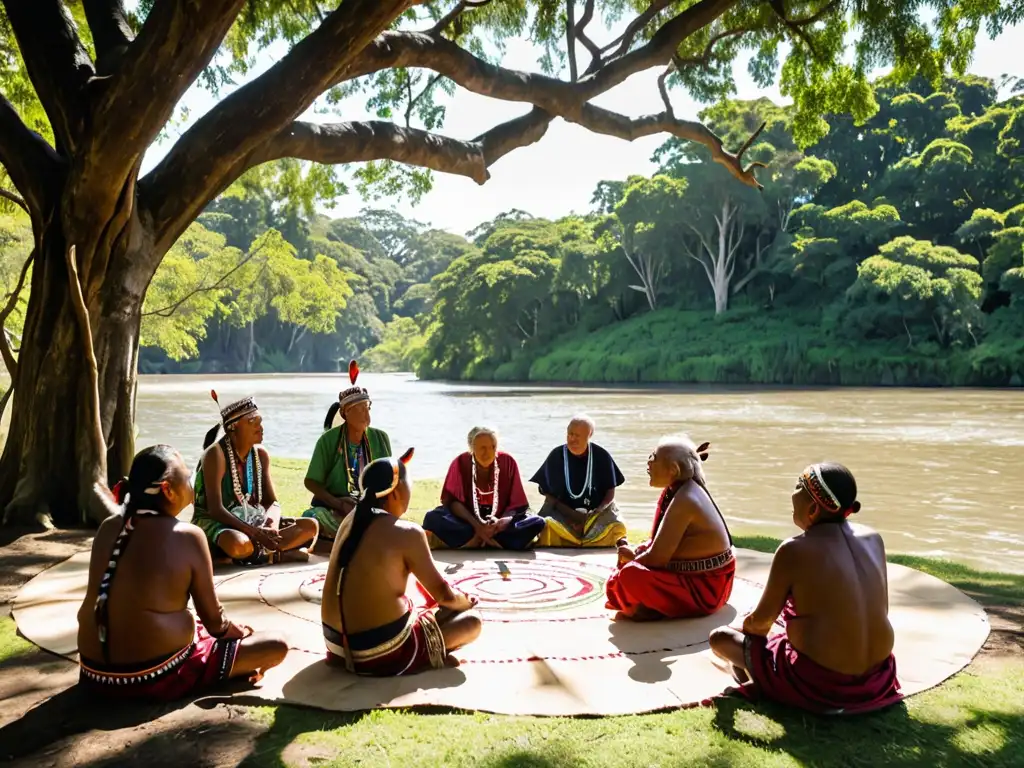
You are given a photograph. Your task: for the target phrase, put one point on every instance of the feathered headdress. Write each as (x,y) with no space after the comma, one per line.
(229,414)
(349,396)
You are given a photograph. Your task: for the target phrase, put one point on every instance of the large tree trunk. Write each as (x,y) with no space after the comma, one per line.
(52,460)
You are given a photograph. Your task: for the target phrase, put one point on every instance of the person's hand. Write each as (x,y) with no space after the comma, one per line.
(237,631)
(626,554)
(344,505)
(268,538)
(485,531)
(462,601)
(502,524)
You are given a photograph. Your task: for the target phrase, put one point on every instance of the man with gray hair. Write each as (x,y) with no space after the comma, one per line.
(687,567)
(578,480)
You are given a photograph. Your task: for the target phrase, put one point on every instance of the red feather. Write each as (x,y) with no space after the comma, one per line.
(407,456)
(353,372)
(213,394)
(119,489)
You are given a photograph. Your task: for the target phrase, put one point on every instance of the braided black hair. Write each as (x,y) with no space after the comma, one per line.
(140,494)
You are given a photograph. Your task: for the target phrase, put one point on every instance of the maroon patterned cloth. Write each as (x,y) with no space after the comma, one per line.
(779,671)
(199,666)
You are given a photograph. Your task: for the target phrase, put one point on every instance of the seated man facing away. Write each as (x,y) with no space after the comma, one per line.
(369,623)
(483,503)
(236,505)
(340,456)
(136,636)
(587,517)
(687,567)
(830,585)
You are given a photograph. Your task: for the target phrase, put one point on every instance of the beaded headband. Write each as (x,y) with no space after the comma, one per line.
(353,394)
(405,458)
(814,483)
(235,411)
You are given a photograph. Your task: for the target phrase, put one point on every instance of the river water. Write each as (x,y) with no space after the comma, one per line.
(941,471)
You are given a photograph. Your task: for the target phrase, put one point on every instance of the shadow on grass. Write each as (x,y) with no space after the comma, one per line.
(890,737)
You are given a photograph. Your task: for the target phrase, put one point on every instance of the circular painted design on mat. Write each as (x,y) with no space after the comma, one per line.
(545,586)
(312,589)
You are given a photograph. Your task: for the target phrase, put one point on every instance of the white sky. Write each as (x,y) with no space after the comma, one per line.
(557,175)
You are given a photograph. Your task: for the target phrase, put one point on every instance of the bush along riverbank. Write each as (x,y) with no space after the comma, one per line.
(758,347)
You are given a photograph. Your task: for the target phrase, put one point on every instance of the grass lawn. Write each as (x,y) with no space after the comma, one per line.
(976,718)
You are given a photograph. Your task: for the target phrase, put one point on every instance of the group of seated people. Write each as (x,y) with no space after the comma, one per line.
(138,638)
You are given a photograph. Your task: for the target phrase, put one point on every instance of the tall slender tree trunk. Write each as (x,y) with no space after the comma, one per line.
(51,463)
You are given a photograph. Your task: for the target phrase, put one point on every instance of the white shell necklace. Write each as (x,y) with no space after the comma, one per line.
(476,491)
(589,476)
(250,472)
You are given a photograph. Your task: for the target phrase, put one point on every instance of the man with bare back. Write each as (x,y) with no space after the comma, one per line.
(687,567)
(830,585)
(136,636)
(370,624)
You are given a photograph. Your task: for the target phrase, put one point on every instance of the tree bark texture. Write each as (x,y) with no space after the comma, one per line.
(50,462)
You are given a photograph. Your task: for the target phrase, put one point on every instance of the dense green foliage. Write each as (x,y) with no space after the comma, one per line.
(888,253)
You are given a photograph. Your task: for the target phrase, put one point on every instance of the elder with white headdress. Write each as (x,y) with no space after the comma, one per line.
(687,567)
(340,456)
(236,504)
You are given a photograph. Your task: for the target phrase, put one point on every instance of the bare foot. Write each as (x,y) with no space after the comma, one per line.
(300,555)
(451,661)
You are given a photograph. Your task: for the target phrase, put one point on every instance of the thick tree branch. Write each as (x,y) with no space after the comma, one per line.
(175,44)
(29,160)
(211,151)
(379,140)
(600,120)
(57,63)
(7,195)
(110,31)
(12,301)
(412,49)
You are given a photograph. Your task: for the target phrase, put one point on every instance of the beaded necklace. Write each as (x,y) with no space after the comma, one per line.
(494,491)
(253,466)
(352,464)
(587,479)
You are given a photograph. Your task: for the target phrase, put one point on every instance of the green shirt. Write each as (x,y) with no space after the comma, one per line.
(327,466)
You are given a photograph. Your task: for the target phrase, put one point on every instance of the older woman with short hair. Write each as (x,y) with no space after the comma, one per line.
(483,503)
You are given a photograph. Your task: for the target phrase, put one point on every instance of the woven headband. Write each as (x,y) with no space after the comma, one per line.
(235,411)
(405,458)
(814,483)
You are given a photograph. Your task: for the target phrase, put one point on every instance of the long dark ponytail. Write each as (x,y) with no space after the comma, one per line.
(139,493)
(331,413)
